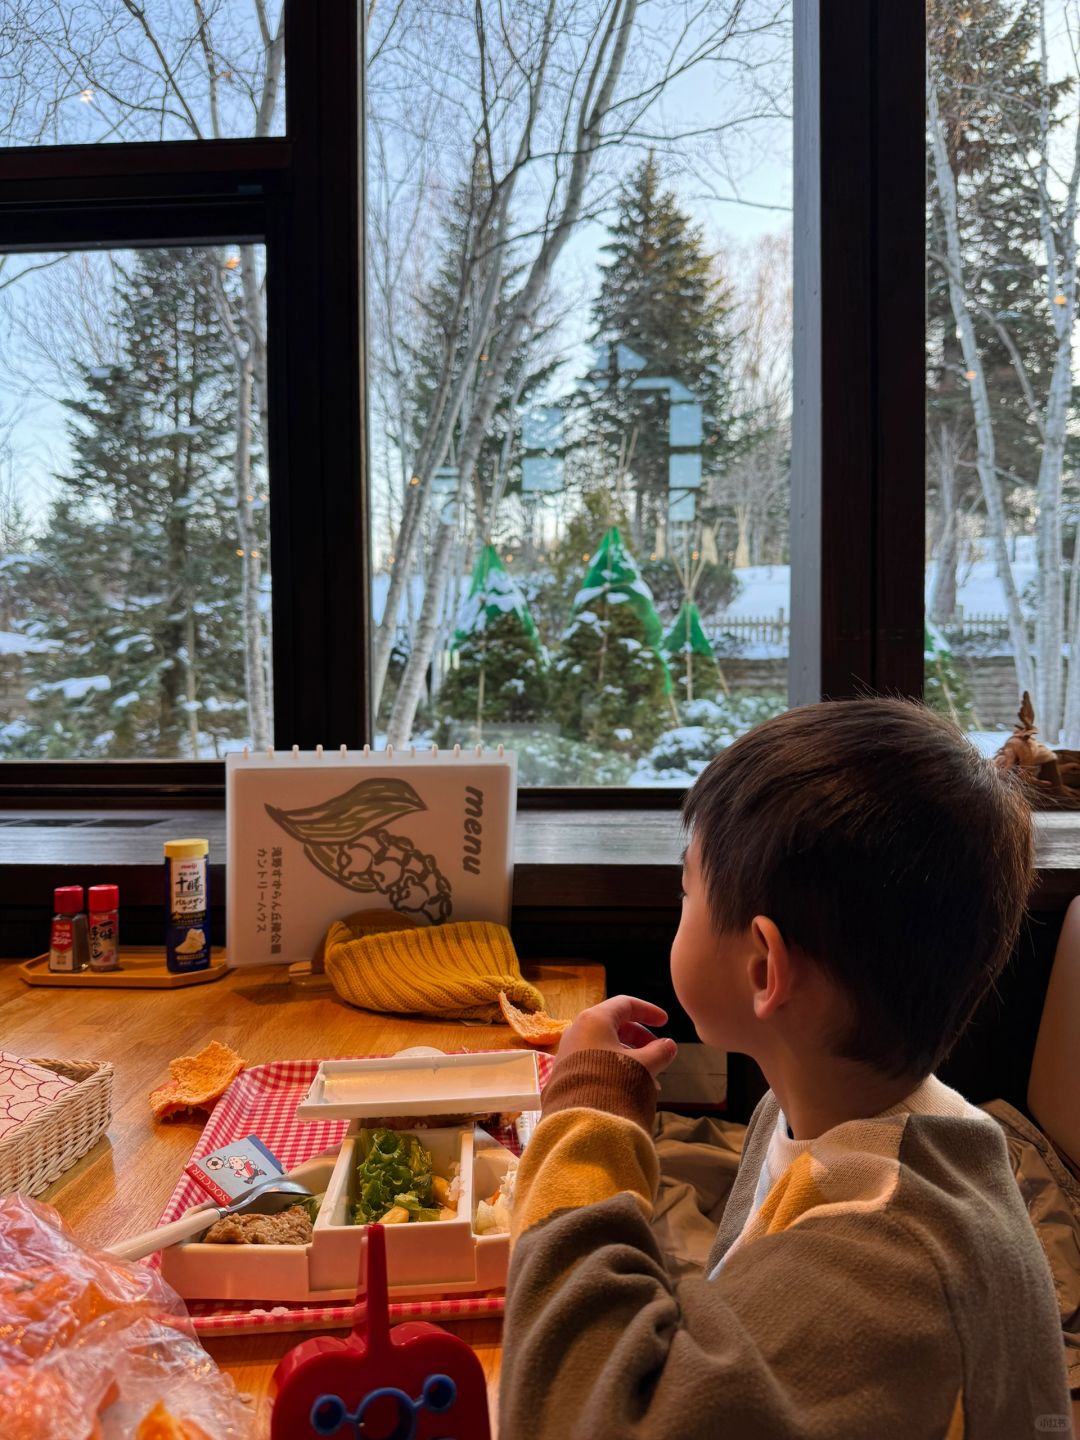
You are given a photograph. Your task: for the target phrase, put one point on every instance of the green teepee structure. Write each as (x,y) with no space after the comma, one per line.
(611,681)
(613,574)
(498,668)
(493,594)
(687,638)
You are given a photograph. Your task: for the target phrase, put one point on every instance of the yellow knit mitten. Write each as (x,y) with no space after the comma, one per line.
(454,971)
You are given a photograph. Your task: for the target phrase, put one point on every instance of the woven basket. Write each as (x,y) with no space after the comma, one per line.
(39,1150)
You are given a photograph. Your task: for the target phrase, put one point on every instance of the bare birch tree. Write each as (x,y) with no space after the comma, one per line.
(754,489)
(587,114)
(1057,232)
(1055,174)
(945,182)
(516,82)
(607,71)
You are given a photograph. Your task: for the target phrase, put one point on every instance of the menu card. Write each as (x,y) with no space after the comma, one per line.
(314,836)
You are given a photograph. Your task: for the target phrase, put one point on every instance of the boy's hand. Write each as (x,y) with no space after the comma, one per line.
(619,1024)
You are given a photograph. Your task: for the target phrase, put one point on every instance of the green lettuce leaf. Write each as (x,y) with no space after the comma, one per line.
(392,1169)
(417,1212)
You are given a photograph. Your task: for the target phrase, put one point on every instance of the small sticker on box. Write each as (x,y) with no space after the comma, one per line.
(232,1171)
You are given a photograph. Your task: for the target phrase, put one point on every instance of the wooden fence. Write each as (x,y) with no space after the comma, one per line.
(766,629)
(963,624)
(774,629)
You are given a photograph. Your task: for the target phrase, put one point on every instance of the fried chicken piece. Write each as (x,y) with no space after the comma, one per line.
(290,1227)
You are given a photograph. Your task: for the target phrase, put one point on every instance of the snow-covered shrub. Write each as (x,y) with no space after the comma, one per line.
(681,753)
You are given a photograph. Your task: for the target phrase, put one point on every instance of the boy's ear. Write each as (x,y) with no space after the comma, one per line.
(770,967)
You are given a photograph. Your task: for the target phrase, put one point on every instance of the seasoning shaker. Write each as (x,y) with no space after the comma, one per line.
(69,948)
(187,904)
(104,906)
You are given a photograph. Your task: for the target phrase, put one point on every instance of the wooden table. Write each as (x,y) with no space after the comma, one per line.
(122,1185)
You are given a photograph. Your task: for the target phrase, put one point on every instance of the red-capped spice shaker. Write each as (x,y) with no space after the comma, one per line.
(104,927)
(69,949)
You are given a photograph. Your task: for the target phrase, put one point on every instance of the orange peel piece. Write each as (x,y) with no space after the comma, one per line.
(538,1029)
(197,1080)
(159,1424)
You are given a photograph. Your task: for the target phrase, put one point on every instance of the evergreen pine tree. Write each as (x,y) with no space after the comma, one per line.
(662,296)
(498,673)
(611,685)
(16,540)
(136,576)
(435,355)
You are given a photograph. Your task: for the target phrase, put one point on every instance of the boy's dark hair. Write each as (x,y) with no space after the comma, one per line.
(879,841)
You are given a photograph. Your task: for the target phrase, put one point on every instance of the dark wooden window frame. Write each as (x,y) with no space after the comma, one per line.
(858,447)
(858,435)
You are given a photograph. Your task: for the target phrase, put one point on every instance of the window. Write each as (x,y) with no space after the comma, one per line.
(179,323)
(134,544)
(105,71)
(592,438)
(580,284)
(1003,506)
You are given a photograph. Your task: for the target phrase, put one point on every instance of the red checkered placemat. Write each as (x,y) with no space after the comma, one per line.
(262,1101)
(230,1317)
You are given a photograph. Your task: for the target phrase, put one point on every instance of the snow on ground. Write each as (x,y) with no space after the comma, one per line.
(980,592)
(761,590)
(988,742)
(765,589)
(380,585)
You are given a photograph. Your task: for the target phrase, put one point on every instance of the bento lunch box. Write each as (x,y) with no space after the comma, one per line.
(444,1257)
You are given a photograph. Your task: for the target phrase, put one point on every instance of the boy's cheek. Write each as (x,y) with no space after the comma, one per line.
(688,983)
(704,991)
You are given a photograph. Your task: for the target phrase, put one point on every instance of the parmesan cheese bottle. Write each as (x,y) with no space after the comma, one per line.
(187,906)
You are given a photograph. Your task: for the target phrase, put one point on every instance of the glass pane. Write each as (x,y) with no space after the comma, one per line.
(1003,502)
(580,379)
(134,562)
(109,71)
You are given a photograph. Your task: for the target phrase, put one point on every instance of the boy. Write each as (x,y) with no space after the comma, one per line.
(854,882)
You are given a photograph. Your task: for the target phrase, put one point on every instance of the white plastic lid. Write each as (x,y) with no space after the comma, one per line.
(423,1085)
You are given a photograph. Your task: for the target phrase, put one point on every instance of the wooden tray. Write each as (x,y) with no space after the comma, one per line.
(142,968)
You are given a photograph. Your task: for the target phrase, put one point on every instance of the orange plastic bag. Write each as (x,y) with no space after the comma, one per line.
(89,1344)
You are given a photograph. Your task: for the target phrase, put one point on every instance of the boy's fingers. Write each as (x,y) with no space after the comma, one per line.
(621,1008)
(657,1056)
(635,1035)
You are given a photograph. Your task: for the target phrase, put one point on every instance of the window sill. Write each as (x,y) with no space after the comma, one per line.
(565,859)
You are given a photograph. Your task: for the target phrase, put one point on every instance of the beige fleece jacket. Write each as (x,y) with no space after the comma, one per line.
(887,1285)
